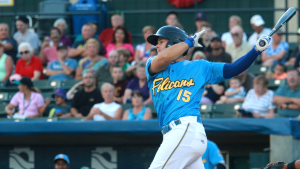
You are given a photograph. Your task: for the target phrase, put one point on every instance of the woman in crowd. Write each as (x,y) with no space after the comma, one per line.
(120,41)
(6,64)
(29,66)
(142,51)
(61,24)
(28,99)
(139,111)
(93,61)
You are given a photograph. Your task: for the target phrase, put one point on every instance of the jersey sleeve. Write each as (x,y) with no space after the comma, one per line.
(215,155)
(213,72)
(148,63)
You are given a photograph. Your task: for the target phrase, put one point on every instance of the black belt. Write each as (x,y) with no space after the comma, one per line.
(167,127)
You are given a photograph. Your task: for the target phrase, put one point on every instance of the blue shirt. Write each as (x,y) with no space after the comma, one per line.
(282,46)
(136,117)
(177,90)
(286,91)
(212,156)
(55,65)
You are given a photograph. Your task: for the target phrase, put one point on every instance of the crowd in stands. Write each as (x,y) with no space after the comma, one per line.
(111,59)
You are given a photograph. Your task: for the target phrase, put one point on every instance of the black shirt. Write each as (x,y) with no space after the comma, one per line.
(205,49)
(212,95)
(223,57)
(84,101)
(13,52)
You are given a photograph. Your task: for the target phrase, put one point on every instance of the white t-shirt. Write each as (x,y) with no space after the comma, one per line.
(108,109)
(254,37)
(228,38)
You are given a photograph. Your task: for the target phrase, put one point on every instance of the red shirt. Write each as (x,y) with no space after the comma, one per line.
(27,70)
(107,36)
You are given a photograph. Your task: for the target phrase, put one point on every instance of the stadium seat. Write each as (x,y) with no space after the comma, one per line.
(68,84)
(48,94)
(225,110)
(275,83)
(2,110)
(258,69)
(3,96)
(154,114)
(9,89)
(46,85)
(205,110)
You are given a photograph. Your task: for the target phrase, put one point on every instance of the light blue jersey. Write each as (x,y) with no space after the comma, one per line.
(177,90)
(212,156)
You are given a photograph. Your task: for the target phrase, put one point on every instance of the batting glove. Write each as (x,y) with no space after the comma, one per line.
(263,43)
(193,41)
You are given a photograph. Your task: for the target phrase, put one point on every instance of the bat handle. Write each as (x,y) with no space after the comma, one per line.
(263,43)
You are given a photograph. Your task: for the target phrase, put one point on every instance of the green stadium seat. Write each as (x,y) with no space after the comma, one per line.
(205,110)
(3,96)
(275,83)
(42,119)
(48,94)
(225,110)
(68,84)
(221,116)
(258,69)
(288,113)
(154,114)
(47,85)
(9,89)
(2,110)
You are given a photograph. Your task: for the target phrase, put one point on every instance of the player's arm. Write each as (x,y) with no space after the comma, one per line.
(220,166)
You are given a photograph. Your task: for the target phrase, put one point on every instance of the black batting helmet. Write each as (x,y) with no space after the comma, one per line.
(174,34)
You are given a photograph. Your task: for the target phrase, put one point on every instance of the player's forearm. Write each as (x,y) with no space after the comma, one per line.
(172,53)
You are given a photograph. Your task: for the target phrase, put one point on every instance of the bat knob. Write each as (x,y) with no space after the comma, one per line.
(262,43)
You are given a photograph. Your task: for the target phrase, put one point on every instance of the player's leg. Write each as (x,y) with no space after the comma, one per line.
(198,164)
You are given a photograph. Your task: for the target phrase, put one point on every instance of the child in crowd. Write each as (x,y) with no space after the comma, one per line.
(279,72)
(60,108)
(119,82)
(123,61)
(234,93)
(153,52)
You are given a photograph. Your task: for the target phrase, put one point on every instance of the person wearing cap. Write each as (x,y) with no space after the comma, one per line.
(257,24)
(106,36)
(60,108)
(29,65)
(6,65)
(61,161)
(62,25)
(218,54)
(277,52)
(205,40)
(28,99)
(10,44)
(200,19)
(64,67)
(24,34)
(172,18)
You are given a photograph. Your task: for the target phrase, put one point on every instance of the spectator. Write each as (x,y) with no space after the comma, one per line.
(60,108)
(78,86)
(28,99)
(139,111)
(93,61)
(153,52)
(107,35)
(212,158)
(239,47)
(103,73)
(48,51)
(218,54)
(234,93)
(246,80)
(78,48)
(61,161)
(119,83)
(94,26)
(172,18)
(277,52)
(199,55)
(124,55)
(200,19)
(29,66)
(257,24)
(212,93)
(227,37)
(84,99)
(205,40)
(120,41)
(287,96)
(6,65)
(258,101)
(25,35)
(142,51)
(294,58)
(138,83)
(64,67)
(178,25)
(10,45)
(279,72)
(62,25)
(107,110)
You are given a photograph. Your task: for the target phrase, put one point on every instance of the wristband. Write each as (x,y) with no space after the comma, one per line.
(291,165)
(189,41)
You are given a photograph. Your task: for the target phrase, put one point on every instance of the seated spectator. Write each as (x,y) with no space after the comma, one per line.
(119,83)
(277,52)
(103,73)
(172,18)
(94,26)
(29,66)
(246,80)
(212,93)
(279,72)
(178,25)
(258,101)
(64,67)
(120,40)
(107,110)
(60,108)
(139,111)
(78,86)
(234,93)
(6,65)
(28,99)
(199,55)
(218,54)
(78,48)
(84,99)
(287,96)
(62,25)
(48,51)
(138,83)
(153,52)
(61,161)
(205,40)
(142,51)
(200,19)
(25,35)
(227,37)
(124,55)
(295,57)
(92,61)
(10,45)
(107,35)
(239,47)
(257,24)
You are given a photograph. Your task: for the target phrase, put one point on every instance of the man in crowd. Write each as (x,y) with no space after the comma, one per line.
(10,45)
(257,24)
(218,54)
(205,40)
(84,99)
(172,18)
(200,19)
(103,73)
(239,47)
(61,161)
(94,26)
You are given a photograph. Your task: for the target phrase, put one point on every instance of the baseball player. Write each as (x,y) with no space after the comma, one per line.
(176,86)
(212,157)
(282,165)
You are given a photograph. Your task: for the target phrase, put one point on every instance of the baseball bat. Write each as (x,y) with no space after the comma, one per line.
(283,20)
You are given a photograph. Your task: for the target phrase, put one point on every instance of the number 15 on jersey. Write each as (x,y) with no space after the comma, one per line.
(185,97)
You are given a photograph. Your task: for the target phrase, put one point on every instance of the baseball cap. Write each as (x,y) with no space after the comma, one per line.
(62,45)
(62,157)
(200,16)
(279,31)
(24,81)
(257,20)
(216,36)
(23,19)
(119,12)
(61,93)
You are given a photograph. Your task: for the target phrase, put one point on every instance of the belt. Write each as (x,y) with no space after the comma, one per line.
(167,128)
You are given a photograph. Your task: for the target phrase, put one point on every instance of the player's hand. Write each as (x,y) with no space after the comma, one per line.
(196,37)
(263,43)
(278,165)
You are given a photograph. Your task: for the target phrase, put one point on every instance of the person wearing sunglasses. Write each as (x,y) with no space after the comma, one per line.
(29,66)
